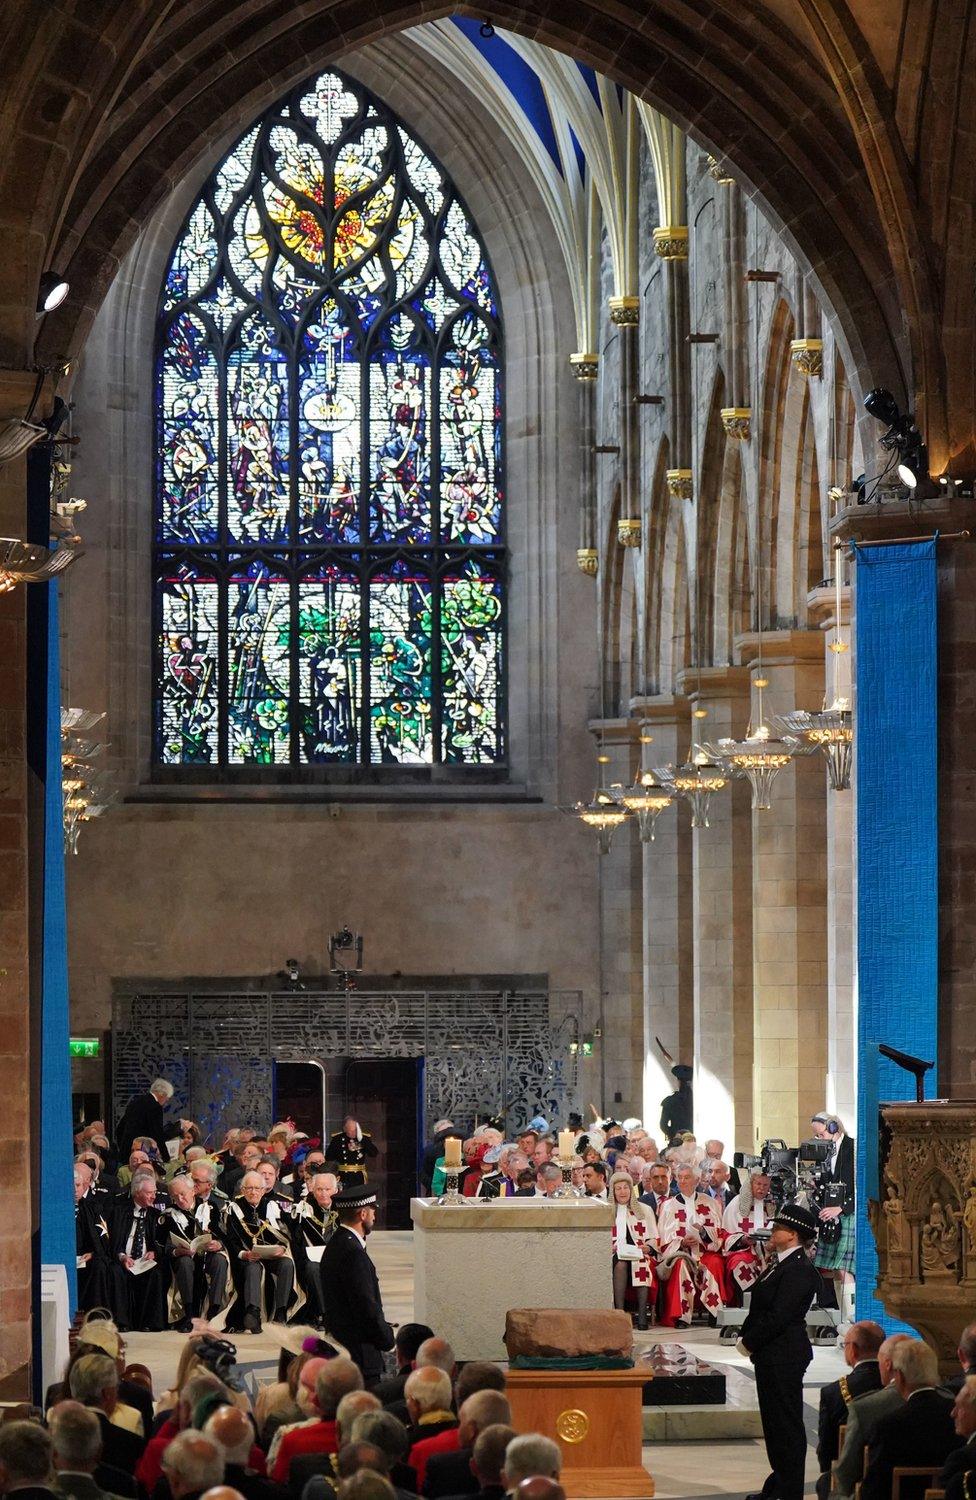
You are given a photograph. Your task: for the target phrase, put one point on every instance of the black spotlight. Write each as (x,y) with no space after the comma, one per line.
(486,30)
(882,404)
(913,461)
(51,292)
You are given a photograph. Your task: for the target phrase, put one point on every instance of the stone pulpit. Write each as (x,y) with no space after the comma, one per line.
(925,1222)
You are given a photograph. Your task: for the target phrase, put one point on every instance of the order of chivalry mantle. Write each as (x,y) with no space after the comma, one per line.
(472,1264)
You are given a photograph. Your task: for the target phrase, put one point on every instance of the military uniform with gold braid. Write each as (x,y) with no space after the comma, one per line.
(348,1157)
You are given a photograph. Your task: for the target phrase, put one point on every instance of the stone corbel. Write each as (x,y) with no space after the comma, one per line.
(585,366)
(737,422)
(680,483)
(625,311)
(671,241)
(807,356)
(629,533)
(588,561)
(719,172)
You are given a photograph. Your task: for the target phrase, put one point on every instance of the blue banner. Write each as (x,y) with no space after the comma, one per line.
(896,725)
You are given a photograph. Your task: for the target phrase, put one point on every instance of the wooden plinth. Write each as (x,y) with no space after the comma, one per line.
(596,1418)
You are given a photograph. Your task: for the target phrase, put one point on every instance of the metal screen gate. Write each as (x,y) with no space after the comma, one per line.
(482,1049)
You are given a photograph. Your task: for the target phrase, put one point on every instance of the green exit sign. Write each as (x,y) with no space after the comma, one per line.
(84,1046)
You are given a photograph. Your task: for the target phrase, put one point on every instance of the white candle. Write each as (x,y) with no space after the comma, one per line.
(452,1153)
(567,1141)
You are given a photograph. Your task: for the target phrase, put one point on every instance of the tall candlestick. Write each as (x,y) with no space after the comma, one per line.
(452,1153)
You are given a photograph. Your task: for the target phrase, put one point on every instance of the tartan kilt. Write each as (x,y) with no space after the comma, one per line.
(840,1256)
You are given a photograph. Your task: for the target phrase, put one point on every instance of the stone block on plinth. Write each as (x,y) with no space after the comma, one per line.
(473,1264)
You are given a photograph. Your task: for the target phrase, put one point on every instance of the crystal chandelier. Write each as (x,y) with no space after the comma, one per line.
(832,730)
(604,813)
(647,798)
(760,756)
(695,781)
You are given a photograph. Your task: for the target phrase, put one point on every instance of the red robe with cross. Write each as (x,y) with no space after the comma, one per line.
(742,1263)
(691,1264)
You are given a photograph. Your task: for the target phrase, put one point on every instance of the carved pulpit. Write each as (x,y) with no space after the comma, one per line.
(925,1223)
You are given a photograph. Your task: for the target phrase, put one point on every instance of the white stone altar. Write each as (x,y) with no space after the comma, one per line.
(472,1264)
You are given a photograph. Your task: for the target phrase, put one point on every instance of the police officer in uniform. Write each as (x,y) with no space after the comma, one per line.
(347,1151)
(774,1336)
(351,1298)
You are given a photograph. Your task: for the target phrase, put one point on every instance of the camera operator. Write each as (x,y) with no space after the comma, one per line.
(775,1338)
(835,1204)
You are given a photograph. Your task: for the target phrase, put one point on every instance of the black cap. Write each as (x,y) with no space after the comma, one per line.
(683,1072)
(799,1219)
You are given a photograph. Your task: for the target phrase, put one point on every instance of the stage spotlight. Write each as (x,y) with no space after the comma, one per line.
(882,404)
(913,464)
(51,292)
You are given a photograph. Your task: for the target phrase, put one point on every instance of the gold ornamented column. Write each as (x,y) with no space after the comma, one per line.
(625,315)
(586,367)
(668,999)
(789,905)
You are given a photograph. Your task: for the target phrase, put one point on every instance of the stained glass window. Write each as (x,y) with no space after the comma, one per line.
(329,538)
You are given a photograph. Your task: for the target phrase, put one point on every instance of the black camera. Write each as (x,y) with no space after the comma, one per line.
(791,1169)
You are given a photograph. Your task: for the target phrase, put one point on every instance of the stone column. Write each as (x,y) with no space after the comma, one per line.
(621,961)
(841,1094)
(722,926)
(586,368)
(625,314)
(789,905)
(668,1000)
(16,388)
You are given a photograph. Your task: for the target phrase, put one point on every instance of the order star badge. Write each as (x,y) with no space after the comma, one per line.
(101,1226)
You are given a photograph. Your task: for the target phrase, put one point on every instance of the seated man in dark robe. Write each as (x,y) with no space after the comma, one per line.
(141,1277)
(313,1224)
(263,1283)
(91,1245)
(198,1275)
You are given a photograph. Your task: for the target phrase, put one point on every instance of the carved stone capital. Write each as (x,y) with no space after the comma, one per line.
(718,172)
(737,422)
(585,366)
(629,533)
(625,311)
(680,483)
(588,561)
(807,355)
(671,241)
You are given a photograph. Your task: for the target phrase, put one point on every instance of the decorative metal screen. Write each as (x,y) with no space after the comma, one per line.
(482,1049)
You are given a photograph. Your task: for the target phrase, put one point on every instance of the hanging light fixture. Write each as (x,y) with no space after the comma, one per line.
(696,780)
(832,730)
(647,798)
(605,812)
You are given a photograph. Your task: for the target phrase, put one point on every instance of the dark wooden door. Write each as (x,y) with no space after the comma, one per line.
(383,1093)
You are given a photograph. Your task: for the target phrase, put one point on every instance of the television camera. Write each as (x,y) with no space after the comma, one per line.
(797,1174)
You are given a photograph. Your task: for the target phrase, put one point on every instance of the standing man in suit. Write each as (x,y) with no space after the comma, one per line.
(347,1152)
(719,1185)
(863,1417)
(656,1182)
(351,1297)
(774,1335)
(144,1116)
(921,1432)
(861,1344)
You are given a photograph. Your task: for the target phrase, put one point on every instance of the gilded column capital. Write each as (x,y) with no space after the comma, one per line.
(588,561)
(737,422)
(807,355)
(629,533)
(625,311)
(585,366)
(671,241)
(680,483)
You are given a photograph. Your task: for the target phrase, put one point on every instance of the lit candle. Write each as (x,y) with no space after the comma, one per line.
(567,1143)
(452,1153)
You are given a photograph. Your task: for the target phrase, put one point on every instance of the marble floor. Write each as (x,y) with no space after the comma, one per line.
(704,1467)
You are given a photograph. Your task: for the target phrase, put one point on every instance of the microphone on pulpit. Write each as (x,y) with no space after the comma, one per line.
(913,1065)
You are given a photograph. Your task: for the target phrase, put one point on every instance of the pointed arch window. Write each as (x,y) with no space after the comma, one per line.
(329,554)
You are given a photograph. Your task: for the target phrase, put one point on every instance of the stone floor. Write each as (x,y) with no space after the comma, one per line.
(691,1452)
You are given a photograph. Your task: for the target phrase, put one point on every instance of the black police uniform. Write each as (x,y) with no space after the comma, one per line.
(775,1335)
(351,1297)
(349,1158)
